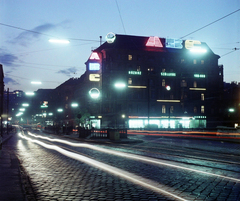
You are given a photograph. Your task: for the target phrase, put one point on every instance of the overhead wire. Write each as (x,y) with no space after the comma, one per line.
(120,16)
(37,32)
(211,23)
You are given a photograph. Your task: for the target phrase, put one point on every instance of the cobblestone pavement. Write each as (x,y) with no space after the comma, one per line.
(54,176)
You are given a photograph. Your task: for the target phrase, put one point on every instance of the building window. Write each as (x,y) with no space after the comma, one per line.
(163,83)
(194,61)
(202,109)
(163,109)
(195,84)
(195,109)
(183,83)
(129,80)
(171,109)
(129,57)
(202,97)
(202,62)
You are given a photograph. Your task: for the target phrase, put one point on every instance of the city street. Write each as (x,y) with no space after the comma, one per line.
(148,168)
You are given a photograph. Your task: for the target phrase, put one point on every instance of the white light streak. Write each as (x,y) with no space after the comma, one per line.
(133,156)
(154,186)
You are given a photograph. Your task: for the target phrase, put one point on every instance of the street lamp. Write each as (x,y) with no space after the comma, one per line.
(74,104)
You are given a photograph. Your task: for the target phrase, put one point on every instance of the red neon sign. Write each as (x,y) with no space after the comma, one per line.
(154,41)
(94,56)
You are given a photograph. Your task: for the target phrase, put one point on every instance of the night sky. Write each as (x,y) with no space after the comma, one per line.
(27,25)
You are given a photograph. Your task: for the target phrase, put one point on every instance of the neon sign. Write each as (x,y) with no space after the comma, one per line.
(110,37)
(94,56)
(154,41)
(189,44)
(168,74)
(199,75)
(134,72)
(173,43)
(94,77)
(94,66)
(94,93)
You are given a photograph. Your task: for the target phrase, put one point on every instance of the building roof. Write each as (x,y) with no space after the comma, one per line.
(132,42)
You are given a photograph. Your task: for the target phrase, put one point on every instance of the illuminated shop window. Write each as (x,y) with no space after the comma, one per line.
(202,109)
(129,57)
(202,97)
(163,109)
(194,61)
(183,83)
(171,109)
(163,83)
(129,80)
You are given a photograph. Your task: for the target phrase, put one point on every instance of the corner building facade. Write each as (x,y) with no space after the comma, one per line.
(136,81)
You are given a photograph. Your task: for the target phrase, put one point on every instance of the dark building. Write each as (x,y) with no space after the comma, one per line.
(134,81)
(231,104)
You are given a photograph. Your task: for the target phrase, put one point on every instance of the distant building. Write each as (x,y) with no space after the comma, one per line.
(133,81)
(1,95)
(231,104)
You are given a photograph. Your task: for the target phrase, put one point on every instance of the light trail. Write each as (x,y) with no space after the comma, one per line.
(133,156)
(149,184)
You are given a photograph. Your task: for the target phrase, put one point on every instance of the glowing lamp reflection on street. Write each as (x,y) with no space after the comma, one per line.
(94,93)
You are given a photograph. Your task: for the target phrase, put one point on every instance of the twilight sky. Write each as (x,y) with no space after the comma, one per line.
(27,25)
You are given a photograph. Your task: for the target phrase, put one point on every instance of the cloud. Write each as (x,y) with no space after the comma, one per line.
(68,72)
(8,80)
(28,36)
(7,58)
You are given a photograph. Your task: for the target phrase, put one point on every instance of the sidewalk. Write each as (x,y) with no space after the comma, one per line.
(10,174)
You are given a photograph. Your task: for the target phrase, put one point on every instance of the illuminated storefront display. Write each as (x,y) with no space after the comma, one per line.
(164,122)
(154,41)
(134,72)
(94,66)
(94,77)
(168,74)
(173,43)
